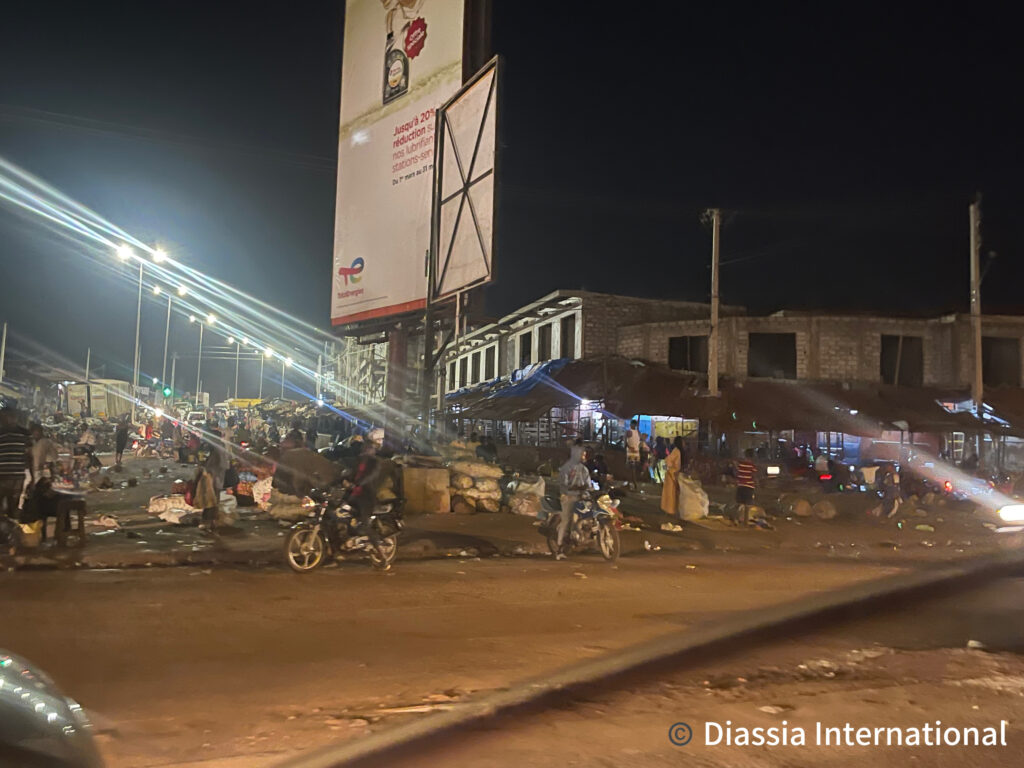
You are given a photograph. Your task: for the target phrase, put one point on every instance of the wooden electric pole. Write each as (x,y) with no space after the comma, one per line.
(977,385)
(977,382)
(716,225)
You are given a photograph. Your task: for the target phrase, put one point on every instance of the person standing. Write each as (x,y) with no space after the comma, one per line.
(632,441)
(574,478)
(120,440)
(670,487)
(746,472)
(214,468)
(658,456)
(44,453)
(14,455)
(311,434)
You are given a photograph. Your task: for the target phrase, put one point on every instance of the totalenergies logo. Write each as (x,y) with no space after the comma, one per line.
(352,273)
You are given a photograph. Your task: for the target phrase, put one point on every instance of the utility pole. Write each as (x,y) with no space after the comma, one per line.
(3,352)
(319,376)
(174,364)
(88,389)
(716,225)
(977,385)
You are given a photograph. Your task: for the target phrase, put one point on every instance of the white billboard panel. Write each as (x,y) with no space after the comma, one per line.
(465,173)
(401,60)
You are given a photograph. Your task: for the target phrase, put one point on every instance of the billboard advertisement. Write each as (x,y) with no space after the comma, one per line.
(401,60)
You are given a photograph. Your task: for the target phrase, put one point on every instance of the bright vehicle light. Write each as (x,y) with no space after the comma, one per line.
(948,485)
(1012,513)
(308,503)
(772,470)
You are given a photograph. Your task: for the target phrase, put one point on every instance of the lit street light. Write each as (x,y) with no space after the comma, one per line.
(159,256)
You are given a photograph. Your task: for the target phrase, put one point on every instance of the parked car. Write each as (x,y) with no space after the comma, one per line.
(39,725)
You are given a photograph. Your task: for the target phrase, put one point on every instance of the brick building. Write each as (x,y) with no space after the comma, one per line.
(801,346)
(565,324)
(929,352)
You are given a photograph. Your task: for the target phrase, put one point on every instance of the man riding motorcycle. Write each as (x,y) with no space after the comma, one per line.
(363,495)
(574,478)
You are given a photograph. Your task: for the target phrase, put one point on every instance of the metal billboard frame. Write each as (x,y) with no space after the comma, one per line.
(438,265)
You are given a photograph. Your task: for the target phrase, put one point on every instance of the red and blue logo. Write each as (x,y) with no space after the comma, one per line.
(353,272)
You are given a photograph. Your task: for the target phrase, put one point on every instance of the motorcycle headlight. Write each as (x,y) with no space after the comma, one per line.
(1012,513)
(308,503)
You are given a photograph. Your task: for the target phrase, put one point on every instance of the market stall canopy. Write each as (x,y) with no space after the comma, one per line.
(625,388)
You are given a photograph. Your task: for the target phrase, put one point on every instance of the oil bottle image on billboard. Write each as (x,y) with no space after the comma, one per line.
(398,51)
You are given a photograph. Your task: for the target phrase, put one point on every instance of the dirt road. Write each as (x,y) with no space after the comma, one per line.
(246,666)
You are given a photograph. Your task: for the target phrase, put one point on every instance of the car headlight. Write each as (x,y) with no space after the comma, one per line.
(1012,513)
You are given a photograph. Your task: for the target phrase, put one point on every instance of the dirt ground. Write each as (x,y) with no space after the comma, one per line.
(891,671)
(186,665)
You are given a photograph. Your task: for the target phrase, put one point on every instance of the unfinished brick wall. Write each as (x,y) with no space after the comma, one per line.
(604,315)
(830,348)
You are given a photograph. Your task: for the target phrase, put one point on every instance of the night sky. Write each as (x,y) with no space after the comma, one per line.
(845,145)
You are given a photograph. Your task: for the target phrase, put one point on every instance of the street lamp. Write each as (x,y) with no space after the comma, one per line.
(285,361)
(267,353)
(231,340)
(199,362)
(182,290)
(125,253)
(159,256)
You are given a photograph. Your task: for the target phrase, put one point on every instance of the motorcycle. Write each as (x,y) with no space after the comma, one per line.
(333,530)
(595,522)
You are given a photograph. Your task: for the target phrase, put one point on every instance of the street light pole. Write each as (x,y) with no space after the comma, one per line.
(167,336)
(138,323)
(282,378)
(262,358)
(237,343)
(199,363)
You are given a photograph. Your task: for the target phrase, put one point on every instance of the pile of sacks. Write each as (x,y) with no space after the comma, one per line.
(474,487)
(527,497)
(693,499)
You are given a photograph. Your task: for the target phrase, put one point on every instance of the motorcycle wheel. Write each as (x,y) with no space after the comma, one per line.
(609,543)
(304,550)
(384,554)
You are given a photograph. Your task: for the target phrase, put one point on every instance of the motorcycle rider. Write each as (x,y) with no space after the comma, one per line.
(574,479)
(362,497)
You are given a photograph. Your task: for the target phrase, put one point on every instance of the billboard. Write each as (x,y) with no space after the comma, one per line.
(464,186)
(401,60)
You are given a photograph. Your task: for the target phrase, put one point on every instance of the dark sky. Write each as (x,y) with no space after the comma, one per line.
(846,145)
